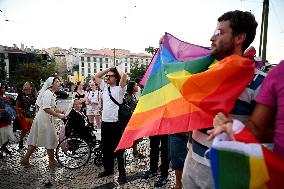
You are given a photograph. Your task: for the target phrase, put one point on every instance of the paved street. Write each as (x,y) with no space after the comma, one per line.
(12,175)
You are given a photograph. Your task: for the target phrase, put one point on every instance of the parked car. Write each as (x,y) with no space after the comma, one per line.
(61,94)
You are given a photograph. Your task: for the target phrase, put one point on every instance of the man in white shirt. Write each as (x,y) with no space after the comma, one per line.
(111,130)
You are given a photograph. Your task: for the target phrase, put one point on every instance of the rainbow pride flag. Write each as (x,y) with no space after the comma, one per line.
(244,163)
(184,95)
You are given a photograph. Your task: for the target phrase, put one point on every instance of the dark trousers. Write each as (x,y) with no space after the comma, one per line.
(111,134)
(154,154)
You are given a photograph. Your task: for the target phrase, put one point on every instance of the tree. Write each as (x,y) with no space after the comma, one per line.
(137,71)
(34,72)
(3,73)
(151,50)
(24,74)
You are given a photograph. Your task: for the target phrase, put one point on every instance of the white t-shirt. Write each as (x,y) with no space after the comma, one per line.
(110,109)
(93,107)
(138,93)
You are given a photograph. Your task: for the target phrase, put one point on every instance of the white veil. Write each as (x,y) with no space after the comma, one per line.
(47,84)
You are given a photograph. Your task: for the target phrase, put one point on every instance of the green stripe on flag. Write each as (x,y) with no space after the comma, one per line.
(159,79)
(193,66)
(155,82)
(234,170)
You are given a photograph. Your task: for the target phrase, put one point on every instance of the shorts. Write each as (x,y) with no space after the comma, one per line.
(177,150)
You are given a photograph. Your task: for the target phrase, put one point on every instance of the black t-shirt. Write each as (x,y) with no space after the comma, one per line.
(27,104)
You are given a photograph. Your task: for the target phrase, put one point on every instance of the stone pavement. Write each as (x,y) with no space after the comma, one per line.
(13,175)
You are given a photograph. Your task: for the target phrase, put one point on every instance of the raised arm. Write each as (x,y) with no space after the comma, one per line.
(123,77)
(98,76)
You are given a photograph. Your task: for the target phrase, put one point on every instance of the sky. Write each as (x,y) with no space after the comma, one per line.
(128,24)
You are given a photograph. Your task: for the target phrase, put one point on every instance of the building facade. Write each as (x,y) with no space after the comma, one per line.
(94,61)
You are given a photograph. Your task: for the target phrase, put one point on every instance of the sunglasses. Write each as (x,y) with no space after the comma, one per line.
(109,75)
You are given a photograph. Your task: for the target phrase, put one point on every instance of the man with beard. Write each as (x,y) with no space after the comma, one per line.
(114,86)
(234,33)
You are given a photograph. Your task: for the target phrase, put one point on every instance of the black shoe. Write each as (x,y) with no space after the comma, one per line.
(162,181)
(138,155)
(148,174)
(21,144)
(121,179)
(5,149)
(105,174)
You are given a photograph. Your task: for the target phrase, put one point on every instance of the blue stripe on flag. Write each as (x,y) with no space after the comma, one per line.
(214,163)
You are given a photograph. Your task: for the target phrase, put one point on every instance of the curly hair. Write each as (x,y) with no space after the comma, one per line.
(116,75)
(241,22)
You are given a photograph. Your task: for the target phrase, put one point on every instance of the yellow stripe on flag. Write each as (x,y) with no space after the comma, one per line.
(157,98)
(179,78)
(258,173)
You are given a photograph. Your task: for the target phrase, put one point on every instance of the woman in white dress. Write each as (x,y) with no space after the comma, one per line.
(94,105)
(43,132)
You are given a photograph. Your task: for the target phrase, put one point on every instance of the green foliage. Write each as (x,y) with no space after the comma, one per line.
(151,50)
(3,73)
(137,71)
(34,72)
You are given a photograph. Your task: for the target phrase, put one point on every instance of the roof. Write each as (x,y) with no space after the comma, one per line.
(118,53)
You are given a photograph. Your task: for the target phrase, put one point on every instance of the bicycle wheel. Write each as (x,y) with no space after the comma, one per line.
(73,153)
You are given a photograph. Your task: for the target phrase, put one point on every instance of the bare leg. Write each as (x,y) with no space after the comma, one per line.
(50,153)
(135,151)
(98,121)
(23,134)
(178,174)
(25,160)
(91,120)
(52,161)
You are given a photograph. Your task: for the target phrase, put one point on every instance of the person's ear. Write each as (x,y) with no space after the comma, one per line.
(240,38)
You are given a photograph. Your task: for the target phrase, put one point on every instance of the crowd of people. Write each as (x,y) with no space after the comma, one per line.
(259,107)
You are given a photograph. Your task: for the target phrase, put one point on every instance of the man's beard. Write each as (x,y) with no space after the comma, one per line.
(222,52)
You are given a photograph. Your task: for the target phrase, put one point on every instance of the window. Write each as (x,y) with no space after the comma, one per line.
(88,59)
(82,71)
(126,64)
(106,65)
(82,58)
(89,64)
(125,70)
(125,59)
(82,64)
(147,61)
(116,61)
(101,65)
(101,60)
(131,60)
(95,65)
(95,59)
(106,59)
(89,70)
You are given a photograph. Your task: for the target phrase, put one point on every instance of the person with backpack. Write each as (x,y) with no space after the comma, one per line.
(113,92)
